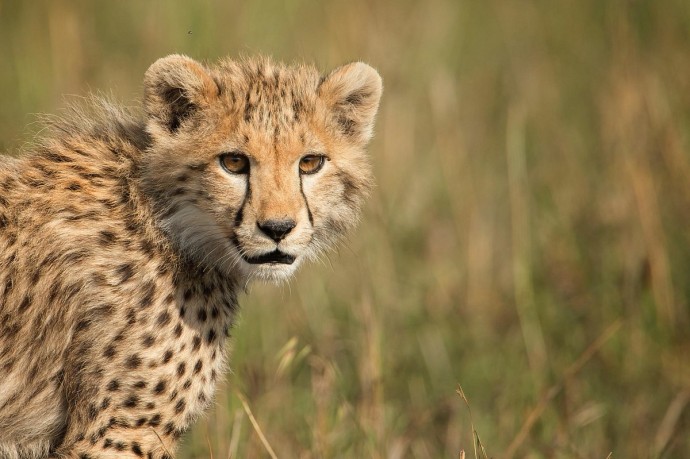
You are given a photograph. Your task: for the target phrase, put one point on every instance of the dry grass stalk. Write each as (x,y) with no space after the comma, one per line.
(670,421)
(551,392)
(476,442)
(255,424)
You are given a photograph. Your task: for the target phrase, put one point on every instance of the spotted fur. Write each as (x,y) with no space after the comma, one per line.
(124,244)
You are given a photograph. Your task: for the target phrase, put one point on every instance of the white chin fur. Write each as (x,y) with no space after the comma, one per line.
(269,272)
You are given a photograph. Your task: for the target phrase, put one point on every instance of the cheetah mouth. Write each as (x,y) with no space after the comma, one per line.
(273,258)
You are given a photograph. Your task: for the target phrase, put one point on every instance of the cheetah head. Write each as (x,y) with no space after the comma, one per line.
(256,166)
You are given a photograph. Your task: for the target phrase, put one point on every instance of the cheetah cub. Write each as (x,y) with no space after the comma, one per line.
(125,240)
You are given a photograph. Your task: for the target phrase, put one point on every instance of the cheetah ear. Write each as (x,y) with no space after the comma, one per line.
(353,92)
(175,87)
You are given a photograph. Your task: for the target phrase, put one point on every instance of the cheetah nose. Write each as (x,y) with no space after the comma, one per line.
(276,229)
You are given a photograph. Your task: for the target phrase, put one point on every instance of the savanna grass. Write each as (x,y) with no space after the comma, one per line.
(532,166)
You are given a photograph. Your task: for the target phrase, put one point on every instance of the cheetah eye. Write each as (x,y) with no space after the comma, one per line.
(311,164)
(235,162)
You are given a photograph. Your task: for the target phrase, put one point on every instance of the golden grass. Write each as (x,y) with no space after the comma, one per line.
(532,166)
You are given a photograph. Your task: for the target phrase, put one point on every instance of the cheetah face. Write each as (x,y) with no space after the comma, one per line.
(255,167)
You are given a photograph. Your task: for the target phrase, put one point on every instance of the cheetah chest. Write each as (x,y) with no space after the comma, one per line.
(173,354)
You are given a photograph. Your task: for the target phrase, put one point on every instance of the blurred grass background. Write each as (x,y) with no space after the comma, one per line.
(532,166)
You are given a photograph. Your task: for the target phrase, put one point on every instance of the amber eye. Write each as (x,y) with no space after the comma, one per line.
(235,163)
(311,164)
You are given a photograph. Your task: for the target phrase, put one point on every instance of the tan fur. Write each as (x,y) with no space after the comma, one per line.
(124,244)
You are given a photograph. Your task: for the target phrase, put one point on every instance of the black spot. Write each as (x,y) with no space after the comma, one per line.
(160,387)
(211,336)
(296,109)
(107,443)
(133,362)
(147,295)
(58,377)
(196,343)
(109,352)
(170,429)
(113,385)
(140,384)
(163,318)
(148,340)
(180,369)
(125,271)
(198,366)
(178,330)
(182,312)
(131,226)
(187,384)
(52,296)
(155,420)
(119,337)
(25,304)
(214,313)
(132,401)
(36,276)
(146,247)
(82,325)
(120,446)
(103,310)
(97,436)
(106,237)
(33,372)
(106,403)
(55,157)
(141,421)
(92,411)
(136,449)
(179,407)
(201,315)
(167,356)
(248,107)
(131,316)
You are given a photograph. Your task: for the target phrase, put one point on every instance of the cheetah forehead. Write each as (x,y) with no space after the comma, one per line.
(262,86)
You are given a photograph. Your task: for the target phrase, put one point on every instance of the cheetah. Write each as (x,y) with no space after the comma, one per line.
(126,237)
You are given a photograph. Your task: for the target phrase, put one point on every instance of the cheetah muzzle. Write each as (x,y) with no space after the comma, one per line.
(151,223)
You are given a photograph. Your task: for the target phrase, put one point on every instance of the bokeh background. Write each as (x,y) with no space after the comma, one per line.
(527,240)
